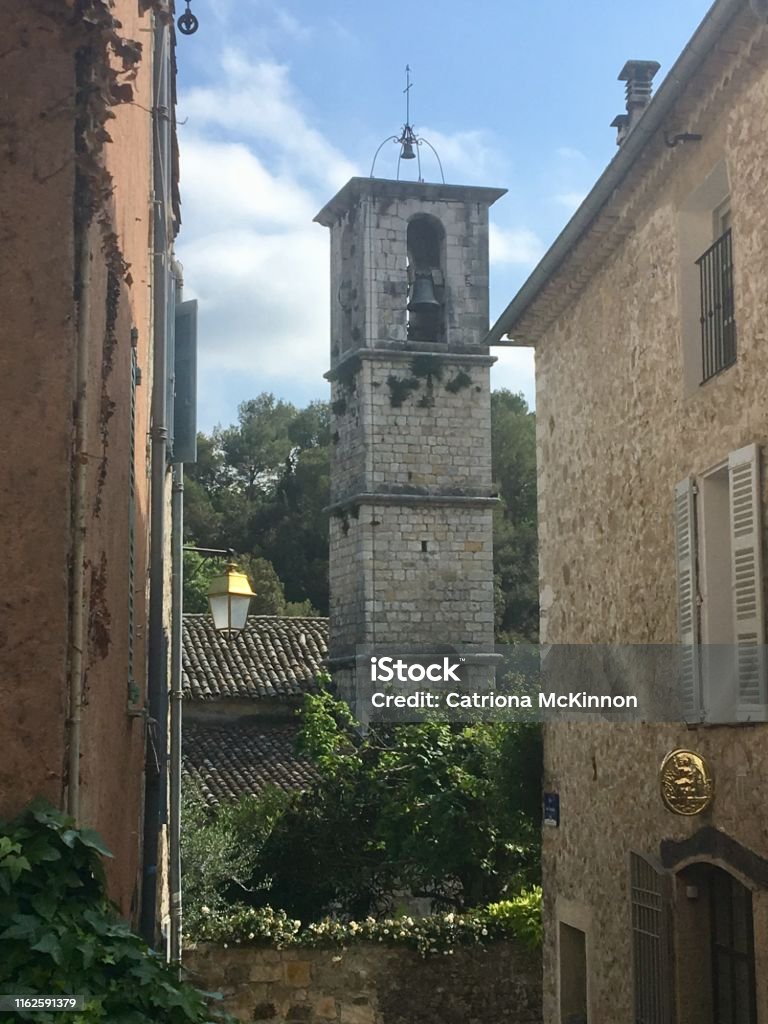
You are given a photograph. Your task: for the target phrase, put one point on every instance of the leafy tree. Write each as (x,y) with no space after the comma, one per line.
(446,812)
(515,565)
(265,583)
(220,849)
(260,487)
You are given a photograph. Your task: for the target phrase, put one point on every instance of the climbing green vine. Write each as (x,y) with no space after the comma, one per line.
(60,935)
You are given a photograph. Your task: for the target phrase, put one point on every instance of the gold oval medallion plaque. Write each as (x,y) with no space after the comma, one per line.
(686,782)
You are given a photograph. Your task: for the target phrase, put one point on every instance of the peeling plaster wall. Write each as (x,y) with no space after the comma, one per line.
(616,431)
(37,366)
(113,741)
(37,395)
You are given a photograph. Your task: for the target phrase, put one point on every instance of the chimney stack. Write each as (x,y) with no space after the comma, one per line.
(638,74)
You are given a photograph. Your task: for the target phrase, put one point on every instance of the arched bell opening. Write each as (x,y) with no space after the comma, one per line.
(426,279)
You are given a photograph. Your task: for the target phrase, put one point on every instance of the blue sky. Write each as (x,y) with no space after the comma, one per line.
(281,102)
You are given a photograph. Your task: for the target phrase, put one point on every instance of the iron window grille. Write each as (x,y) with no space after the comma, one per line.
(718,325)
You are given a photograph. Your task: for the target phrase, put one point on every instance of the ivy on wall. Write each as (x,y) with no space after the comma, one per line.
(60,935)
(424,369)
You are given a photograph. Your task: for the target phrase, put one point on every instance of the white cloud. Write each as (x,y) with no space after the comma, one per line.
(570,200)
(468,157)
(297,30)
(572,155)
(263,301)
(515,371)
(253,174)
(256,101)
(225,183)
(514,245)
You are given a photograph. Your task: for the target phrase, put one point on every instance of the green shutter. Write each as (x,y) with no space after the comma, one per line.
(185,372)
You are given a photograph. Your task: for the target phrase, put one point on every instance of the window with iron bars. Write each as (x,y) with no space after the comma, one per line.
(718,324)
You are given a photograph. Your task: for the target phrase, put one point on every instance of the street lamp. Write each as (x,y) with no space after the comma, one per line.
(229,595)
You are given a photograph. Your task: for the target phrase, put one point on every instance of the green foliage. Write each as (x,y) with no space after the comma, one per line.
(61,936)
(438,811)
(515,551)
(518,919)
(521,915)
(458,382)
(266,584)
(346,373)
(400,388)
(220,849)
(261,488)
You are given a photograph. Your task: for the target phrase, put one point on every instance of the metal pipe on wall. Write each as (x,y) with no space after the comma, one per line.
(79,527)
(174,816)
(157,695)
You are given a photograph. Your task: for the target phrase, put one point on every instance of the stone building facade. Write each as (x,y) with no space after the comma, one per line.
(648,319)
(412,497)
(87,291)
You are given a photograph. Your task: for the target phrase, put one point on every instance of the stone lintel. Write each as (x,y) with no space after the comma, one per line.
(385,188)
(387,498)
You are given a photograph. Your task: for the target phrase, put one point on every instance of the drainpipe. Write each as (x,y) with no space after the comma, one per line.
(177,584)
(157,696)
(79,521)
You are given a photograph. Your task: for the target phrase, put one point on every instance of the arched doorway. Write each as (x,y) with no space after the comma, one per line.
(715,947)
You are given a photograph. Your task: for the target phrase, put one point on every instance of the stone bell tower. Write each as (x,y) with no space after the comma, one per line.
(411,556)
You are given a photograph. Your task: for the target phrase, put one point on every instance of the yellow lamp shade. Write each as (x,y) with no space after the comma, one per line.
(229,597)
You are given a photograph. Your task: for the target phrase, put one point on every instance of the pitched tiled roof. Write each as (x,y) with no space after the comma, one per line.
(227,760)
(272,657)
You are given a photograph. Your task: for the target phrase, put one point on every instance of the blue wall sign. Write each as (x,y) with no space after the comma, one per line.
(552,809)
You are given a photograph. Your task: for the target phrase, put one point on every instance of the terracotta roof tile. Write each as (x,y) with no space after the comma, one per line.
(272,657)
(228,760)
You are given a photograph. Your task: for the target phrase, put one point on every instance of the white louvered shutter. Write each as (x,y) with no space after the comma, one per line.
(687,601)
(747,580)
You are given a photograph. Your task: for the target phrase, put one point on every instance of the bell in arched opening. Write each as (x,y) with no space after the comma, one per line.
(426,291)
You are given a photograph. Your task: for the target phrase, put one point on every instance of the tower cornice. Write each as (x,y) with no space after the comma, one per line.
(386,188)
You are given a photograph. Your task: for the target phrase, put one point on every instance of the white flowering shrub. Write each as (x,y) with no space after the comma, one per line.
(518,919)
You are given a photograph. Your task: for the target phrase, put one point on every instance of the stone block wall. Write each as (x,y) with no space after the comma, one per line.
(406,594)
(435,434)
(369,984)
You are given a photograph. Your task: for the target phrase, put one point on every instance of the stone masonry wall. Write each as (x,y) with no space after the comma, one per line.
(369,253)
(372,985)
(394,600)
(616,431)
(402,433)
